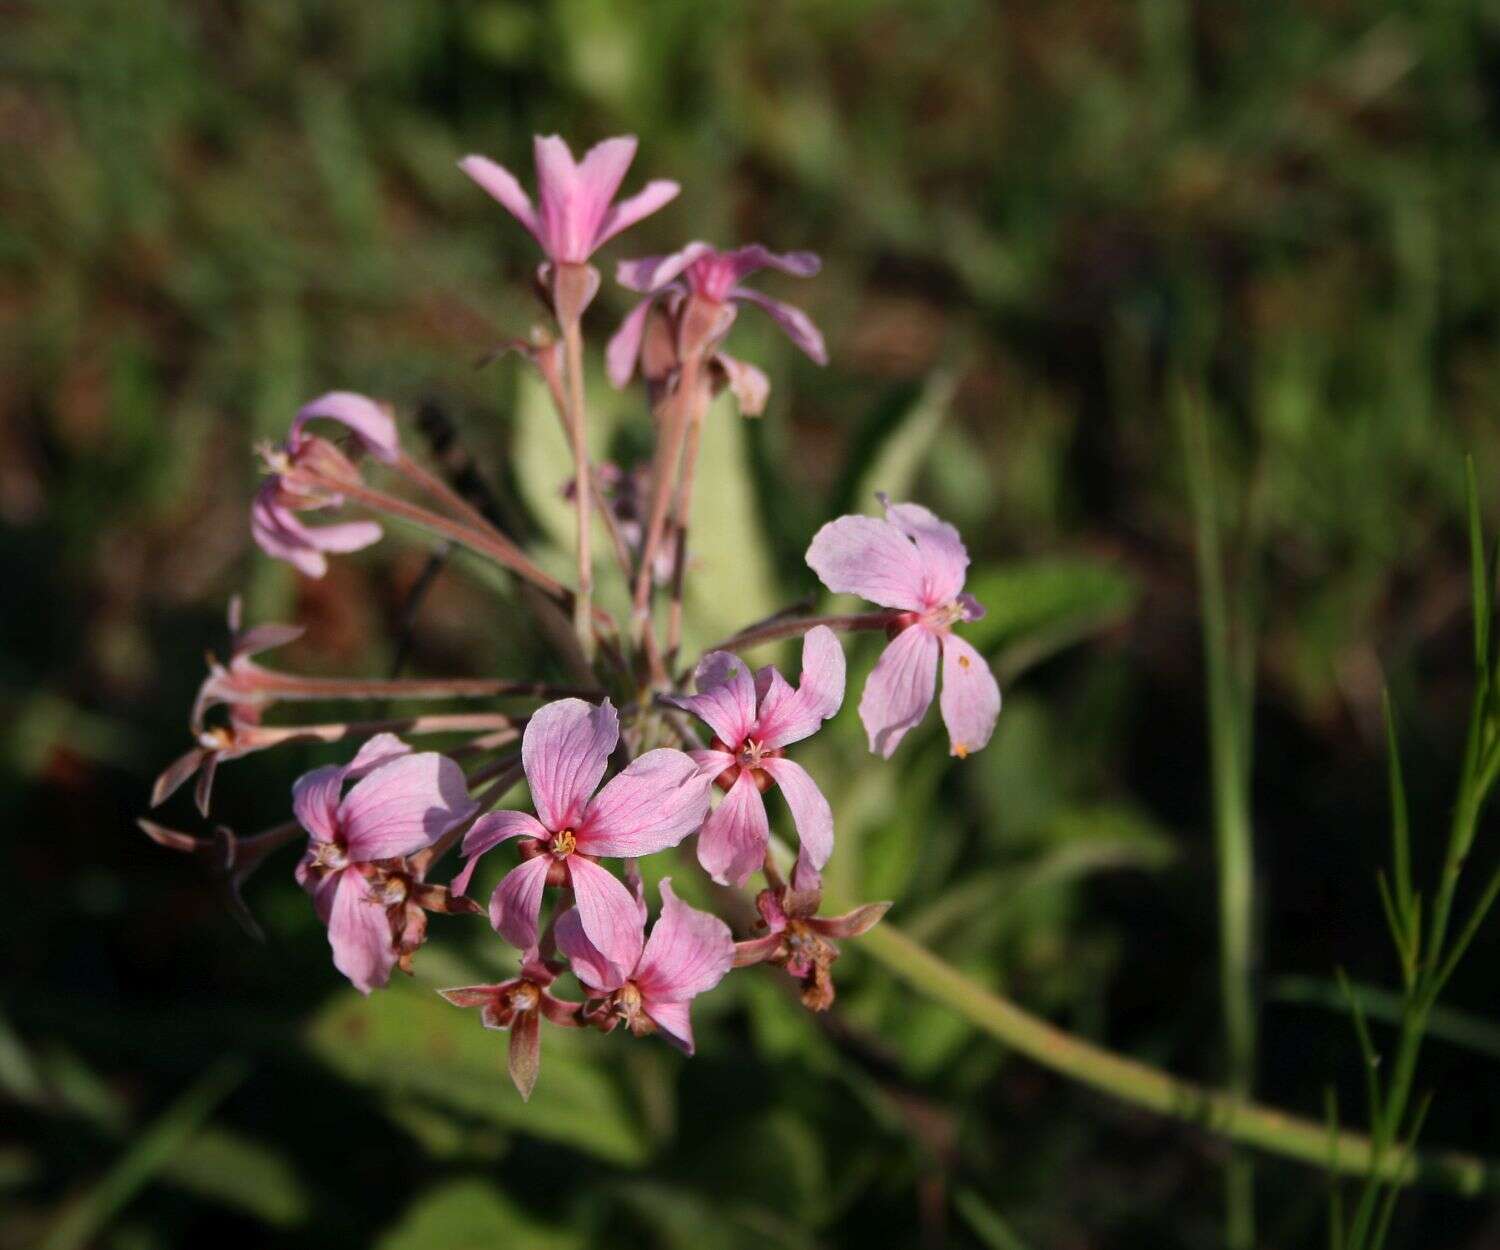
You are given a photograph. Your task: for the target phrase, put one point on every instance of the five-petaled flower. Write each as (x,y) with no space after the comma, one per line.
(274,523)
(651,986)
(519,1005)
(913,562)
(754,718)
(703,280)
(654,803)
(800,940)
(365,891)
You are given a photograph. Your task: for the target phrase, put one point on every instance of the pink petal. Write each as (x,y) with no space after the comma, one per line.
(744,261)
(944,559)
(565,751)
(750,386)
(315,801)
(557,197)
(735,836)
(263,638)
(624,347)
(654,195)
(864,556)
(970,700)
(525,1056)
(657,800)
(373,425)
(675,1022)
(589,966)
(600,173)
(795,323)
(517,902)
(788,716)
(503,186)
(277,533)
(488,832)
(175,773)
(360,934)
(403,806)
(688,953)
(725,698)
(711,763)
(381,749)
(810,811)
(900,688)
(651,274)
(608,913)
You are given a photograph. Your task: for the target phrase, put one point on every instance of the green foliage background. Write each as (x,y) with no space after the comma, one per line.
(1036,218)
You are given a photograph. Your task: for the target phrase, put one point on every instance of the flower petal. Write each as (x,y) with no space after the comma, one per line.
(403,806)
(649,274)
(360,934)
(488,832)
(746,260)
(788,715)
(725,698)
(735,836)
(525,1057)
(503,186)
(610,918)
(687,954)
(970,701)
(315,801)
(945,560)
(795,323)
(624,347)
(517,902)
(675,1022)
(660,798)
(810,811)
(749,385)
(656,194)
(372,424)
(565,751)
(900,688)
(381,749)
(600,173)
(588,964)
(865,556)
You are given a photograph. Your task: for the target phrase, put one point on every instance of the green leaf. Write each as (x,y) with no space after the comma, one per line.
(406,1041)
(473,1215)
(1400,828)
(1037,608)
(1477,570)
(240,1173)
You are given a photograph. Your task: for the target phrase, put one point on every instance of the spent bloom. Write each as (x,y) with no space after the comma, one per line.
(518,1005)
(651,988)
(274,522)
(355,866)
(575,213)
(653,803)
(916,563)
(754,718)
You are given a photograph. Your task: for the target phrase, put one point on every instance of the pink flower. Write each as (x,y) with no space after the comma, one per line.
(576,214)
(355,865)
(801,941)
(656,801)
(702,273)
(274,523)
(754,718)
(519,1005)
(916,563)
(238,684)
(652,986)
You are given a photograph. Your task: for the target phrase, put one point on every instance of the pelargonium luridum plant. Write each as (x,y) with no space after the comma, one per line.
(695,750)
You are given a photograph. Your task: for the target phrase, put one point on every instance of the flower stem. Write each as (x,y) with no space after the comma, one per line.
(271,686)
(681,513)
(578,430)
(794,627)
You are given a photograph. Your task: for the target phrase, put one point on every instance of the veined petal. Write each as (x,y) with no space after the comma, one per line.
(500,183)
(517,902)
(810,811)
(900,688)
(372,424)
(315,801)
(674,1020)
(360,934)
(795,323)
(488,832)
(743,261)
(733,842)
(725,698)
(865,556)
(656,194)
(588,964)
(381,749)
(688,952)
(600,173)
(607,912)
(788,716)
(945,560)
(650,274)
(970,701)
(565,751)
(557,194)
(657,800)
(403,806)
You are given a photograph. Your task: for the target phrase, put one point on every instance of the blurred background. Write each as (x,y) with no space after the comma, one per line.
(1036,219)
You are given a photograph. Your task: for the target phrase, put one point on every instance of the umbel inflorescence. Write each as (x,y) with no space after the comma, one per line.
(689,758)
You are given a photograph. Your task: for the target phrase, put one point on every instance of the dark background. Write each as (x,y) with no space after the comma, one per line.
(1037,220)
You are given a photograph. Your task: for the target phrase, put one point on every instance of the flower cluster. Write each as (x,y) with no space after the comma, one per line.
(630,761)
